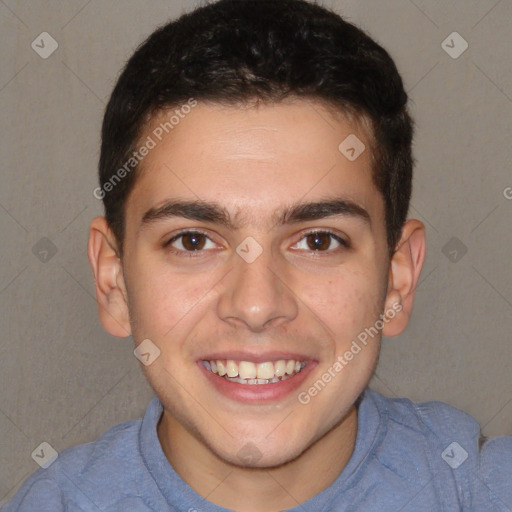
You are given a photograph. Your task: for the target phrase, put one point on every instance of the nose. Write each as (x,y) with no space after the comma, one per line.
(256,295)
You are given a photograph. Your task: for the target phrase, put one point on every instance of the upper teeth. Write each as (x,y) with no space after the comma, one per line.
(249,370)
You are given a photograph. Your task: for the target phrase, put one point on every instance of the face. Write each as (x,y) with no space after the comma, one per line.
(255,255)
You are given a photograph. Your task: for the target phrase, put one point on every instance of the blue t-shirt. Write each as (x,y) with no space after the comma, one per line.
(421,457)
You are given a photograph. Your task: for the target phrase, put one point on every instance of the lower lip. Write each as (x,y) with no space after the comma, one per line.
(257,393)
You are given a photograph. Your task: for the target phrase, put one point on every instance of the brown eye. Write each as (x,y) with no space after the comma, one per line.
(193,241)
(190,241)
(319,241)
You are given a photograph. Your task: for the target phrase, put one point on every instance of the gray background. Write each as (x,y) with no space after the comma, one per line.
(63,380)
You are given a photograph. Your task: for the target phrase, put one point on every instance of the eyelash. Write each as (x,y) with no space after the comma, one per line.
(179,252)
(194,254)
(343,243)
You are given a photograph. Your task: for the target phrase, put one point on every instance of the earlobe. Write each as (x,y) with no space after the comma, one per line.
(404,273)
(393,303)
(109,280)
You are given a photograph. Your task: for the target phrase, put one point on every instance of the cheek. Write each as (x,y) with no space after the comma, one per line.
(346,303)
(160,301)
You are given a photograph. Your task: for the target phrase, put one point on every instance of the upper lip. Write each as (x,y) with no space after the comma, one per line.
(255,357)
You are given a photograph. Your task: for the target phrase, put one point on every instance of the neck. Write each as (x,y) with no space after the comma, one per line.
(258,489)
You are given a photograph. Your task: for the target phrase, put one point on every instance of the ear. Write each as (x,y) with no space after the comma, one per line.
(404,273)
(108,276)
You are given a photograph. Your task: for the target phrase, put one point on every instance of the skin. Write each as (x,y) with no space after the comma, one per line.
(294,297)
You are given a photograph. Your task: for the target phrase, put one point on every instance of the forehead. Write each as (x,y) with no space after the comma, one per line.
(253,160)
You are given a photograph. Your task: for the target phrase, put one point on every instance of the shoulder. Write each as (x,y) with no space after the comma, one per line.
(82,473)
(435,423)
(422,438)
(494,475)
(433,416)
(438,439)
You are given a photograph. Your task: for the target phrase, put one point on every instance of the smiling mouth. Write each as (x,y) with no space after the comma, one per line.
(247,372)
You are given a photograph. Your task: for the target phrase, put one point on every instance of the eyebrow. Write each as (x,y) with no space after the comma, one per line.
(212,212)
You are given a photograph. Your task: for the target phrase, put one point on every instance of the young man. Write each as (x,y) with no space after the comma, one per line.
(256,172)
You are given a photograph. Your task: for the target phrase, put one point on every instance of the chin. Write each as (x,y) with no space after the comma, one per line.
(262,454)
